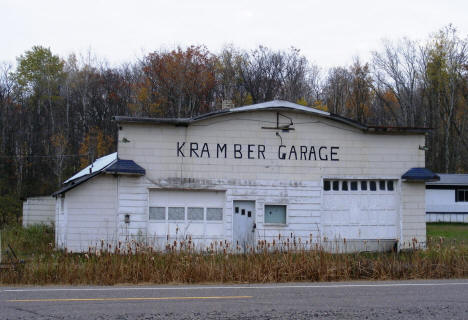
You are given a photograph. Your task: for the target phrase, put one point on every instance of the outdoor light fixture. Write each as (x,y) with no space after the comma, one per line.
(283,127)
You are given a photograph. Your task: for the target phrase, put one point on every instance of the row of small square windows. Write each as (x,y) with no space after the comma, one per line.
(181,214)
(362,185)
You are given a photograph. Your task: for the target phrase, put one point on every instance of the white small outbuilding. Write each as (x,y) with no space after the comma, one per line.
(447,199)
(248,174)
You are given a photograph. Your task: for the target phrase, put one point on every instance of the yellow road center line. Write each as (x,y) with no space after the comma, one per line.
(131,299)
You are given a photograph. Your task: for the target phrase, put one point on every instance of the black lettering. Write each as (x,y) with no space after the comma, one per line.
(261,150)
(281,156)
(193,149)
(320,153)
(250,151)
(237,151)
(219,149)
(304,152)
(205,150)
(312,152)
(179,149)
(334,153)
(291,151)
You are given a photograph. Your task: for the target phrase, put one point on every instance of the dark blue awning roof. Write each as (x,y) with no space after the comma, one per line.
(125,167)
(420,174)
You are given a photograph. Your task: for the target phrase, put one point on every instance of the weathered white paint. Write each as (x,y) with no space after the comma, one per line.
(162,232)
(294,183)
(97,209)
(244,224)
(412,215)
(363,215)
(441,206)
(38,210)
(89,216)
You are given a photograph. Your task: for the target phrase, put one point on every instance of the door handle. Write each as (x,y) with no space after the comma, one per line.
(254,227)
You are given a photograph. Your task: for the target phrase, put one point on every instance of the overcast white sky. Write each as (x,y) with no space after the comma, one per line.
(328,33)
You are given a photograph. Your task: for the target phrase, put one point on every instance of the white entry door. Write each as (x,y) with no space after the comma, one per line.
(244,224)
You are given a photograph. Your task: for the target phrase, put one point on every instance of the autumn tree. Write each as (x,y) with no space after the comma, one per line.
(179,83)
(446,75)
(95,145)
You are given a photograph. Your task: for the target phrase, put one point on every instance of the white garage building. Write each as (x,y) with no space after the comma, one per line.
(252,173)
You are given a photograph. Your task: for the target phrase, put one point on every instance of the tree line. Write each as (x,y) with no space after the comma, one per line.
(55,112)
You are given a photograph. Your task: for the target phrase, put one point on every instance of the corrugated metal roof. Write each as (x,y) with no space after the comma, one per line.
(451,179)
(97,165)
(272,105)
(420,174)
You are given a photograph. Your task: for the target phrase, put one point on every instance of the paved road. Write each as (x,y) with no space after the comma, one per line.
(345,300)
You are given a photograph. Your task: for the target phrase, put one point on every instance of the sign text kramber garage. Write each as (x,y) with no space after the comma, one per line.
(256,151)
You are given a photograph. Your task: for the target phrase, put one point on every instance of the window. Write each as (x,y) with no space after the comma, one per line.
(363,185)
(214,214)
(382,184)
(372,186)
(344,186)
(157,213)
(276,213)
(461,195)
(326,185)
(390,185)
(194,214)
(175,213)
(336,185)
(353,185)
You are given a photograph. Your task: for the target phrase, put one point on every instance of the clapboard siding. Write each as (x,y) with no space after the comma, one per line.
(38,210)
(359,153)
(101,205)
(295,183)
(413,226)
(91,214)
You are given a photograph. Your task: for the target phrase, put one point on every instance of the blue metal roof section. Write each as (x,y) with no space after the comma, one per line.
(420,175)
(125,167)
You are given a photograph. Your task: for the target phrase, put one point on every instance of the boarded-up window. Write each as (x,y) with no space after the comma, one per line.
(275,214)
(214,214)
(175,213)
(194,214)
(157,213)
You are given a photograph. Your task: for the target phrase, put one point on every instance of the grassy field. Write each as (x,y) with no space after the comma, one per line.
(449,231)
(446,257)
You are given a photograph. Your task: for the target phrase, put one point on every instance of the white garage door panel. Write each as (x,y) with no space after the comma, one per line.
(195,228)
(356,215)
(180,229)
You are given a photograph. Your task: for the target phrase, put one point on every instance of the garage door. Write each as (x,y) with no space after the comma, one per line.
(179,214)
(360,209)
